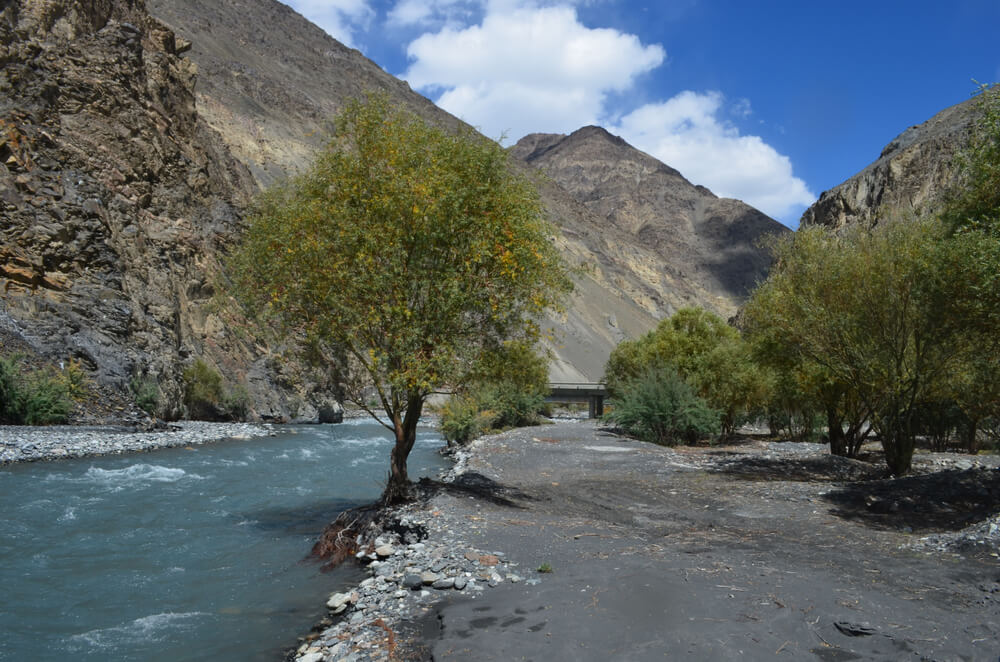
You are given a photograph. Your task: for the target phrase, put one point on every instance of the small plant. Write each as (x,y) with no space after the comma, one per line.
(545,568)
(146,394)
(31,397)
(74,378)
(461,421)
(236,402)
(207,398)
(202,390)
(660,407)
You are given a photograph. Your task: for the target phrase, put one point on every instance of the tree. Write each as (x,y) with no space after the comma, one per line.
(705,351)
(400,258)
(878,310)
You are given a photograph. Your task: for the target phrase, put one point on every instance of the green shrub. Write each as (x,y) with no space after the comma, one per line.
(660,407)
(146,394)
(47,400)
(11,405)
(33,398)
(508,389)
(707,352)
(461,419)
(202,391)
(509,406)
(236,403)
(74,378)
(207,398)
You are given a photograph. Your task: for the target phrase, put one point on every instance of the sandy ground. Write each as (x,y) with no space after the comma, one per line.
(752,552)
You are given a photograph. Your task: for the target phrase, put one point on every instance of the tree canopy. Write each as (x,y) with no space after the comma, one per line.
(401,258)
(705,351)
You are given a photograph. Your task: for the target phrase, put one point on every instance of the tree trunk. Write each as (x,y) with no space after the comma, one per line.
(835,430)
(897,442)
(397,490)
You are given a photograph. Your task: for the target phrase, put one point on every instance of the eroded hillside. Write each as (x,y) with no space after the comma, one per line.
(116,199)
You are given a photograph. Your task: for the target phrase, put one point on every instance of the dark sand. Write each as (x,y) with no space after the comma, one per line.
(730,553)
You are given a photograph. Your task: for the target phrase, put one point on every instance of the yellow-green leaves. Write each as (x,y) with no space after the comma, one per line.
(407,247)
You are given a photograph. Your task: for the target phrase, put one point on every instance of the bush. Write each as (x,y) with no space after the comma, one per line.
(660,407)
(508,390)
(706,352)
(146,394)
(32,398)
(74,378)
(202,391)
(509,406)
(236,402)
(461,420)
(46,400)
(206,398)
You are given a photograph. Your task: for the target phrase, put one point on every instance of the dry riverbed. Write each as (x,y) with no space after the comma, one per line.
(757,550)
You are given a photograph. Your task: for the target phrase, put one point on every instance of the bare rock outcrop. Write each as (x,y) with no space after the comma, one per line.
(116,200)
(910,175)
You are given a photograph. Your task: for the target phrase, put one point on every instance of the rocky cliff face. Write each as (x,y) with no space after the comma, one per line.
(115,201)
(910,175)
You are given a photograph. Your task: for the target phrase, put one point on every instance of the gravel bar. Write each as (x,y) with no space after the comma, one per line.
(32,444)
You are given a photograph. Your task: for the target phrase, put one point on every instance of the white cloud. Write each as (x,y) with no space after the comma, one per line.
(339,18)
(524,70)
(426,13)
(686,133)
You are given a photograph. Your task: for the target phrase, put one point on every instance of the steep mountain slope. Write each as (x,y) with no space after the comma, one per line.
(650,214)
(270,81)
(910,175)
(115,200)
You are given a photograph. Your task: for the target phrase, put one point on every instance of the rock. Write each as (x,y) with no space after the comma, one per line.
(338,602)
(311,657)
(412,581)
(330,414)
(488,559)
(460,583)
(855,629)
(427,577)
(444,583)
(384,551)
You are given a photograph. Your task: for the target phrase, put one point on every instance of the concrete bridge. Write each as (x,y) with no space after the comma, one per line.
(592,394)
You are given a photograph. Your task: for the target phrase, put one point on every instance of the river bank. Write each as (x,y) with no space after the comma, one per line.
(582,545)
(39,443)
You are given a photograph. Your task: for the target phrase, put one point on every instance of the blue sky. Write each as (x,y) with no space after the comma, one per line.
(769,102)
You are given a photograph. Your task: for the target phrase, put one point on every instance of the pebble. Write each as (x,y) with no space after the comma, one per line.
(402,584)
(31,444)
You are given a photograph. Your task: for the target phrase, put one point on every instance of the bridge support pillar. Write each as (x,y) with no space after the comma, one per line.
(596,406)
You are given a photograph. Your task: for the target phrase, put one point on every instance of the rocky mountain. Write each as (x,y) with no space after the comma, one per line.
(132,140)
(116,198)
(705,245)
(909,176)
